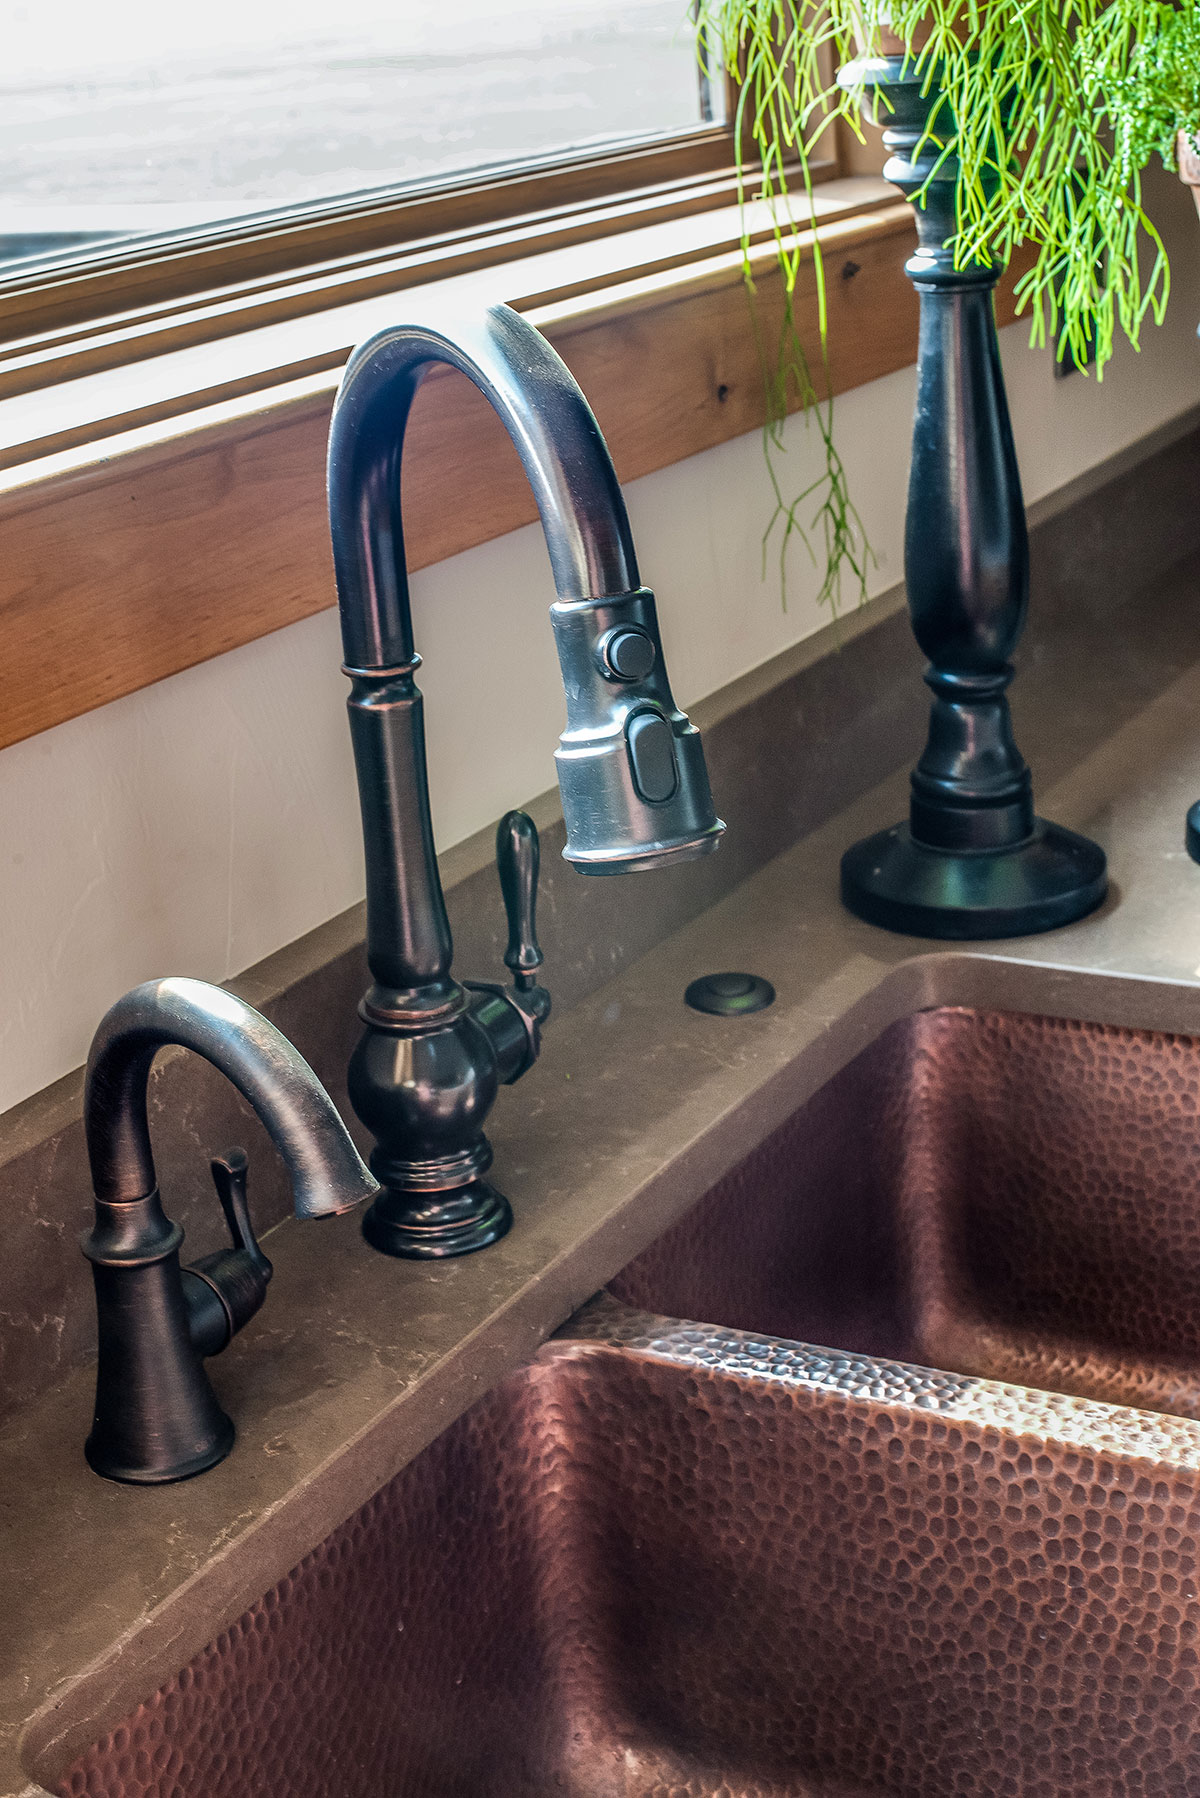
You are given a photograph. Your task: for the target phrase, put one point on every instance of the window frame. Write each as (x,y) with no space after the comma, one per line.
(162,440)
(142,297)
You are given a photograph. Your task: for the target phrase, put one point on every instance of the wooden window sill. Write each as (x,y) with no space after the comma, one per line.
(157,514)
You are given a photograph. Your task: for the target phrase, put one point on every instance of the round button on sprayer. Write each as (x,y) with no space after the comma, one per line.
(730,995)
(627,654)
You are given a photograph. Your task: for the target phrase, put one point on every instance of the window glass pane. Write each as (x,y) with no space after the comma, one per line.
(140,115)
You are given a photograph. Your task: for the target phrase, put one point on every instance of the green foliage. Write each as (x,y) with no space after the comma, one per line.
(776,56)
(1160,96)
(1053,110)
(1031,85)
(832,532)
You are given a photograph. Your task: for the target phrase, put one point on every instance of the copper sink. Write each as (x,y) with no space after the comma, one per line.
(700,1559)
(675,1560)
(988,1192)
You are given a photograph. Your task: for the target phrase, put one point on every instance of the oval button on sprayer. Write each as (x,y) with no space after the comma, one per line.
(627,655)
(652,756)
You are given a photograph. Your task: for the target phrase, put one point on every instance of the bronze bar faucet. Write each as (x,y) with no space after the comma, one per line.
(631,771)
(157,1418)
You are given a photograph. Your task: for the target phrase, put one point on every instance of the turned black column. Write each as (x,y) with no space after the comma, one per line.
(972,861)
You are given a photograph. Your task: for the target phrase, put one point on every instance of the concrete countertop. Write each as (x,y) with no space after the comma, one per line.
(637,1106)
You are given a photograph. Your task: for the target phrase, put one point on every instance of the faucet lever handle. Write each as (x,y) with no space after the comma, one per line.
(517,859)
(224,1290)
(229,1174)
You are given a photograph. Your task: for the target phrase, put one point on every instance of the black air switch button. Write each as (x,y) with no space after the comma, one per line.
(652,756)
(629,654)
(729,995)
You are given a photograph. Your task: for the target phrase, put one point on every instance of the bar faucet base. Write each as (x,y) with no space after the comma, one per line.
(1051,879)
(435,1226)
(145,1473)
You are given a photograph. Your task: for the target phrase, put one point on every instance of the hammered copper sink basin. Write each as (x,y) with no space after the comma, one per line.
(989,1192)
(699,1557)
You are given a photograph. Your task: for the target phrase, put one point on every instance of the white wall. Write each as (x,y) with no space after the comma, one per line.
(197,826)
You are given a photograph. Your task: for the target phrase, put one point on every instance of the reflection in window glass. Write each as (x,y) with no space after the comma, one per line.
(139,115)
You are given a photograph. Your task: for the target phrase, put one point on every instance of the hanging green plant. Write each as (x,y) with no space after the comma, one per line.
(1159,97)
(1052,110)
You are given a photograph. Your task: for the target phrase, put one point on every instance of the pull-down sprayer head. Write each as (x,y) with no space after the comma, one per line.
(630,766)
(631,769)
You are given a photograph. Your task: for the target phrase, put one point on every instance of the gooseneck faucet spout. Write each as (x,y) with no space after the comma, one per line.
(631,769)
(157,1418)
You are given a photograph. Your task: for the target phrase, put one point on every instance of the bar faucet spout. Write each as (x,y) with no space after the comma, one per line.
(157,1418)
(631,770)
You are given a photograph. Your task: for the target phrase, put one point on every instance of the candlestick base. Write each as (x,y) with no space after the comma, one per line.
(1051,879)
(434,1226)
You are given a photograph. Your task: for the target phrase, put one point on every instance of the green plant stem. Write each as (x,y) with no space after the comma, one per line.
(822,515)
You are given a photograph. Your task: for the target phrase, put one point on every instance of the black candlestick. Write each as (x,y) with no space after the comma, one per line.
(972,861)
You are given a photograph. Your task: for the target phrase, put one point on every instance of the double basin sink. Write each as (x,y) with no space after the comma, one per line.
(879,1473)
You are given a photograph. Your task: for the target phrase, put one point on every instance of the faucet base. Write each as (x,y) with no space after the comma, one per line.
(1051,879)
(146,1470)
(430,1226)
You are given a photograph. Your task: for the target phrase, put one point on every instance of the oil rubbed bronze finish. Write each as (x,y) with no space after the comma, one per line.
(672,1559)
(973,861)
(630,767)
(157,1418)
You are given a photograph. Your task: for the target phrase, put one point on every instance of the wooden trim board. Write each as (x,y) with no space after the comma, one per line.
(116,574)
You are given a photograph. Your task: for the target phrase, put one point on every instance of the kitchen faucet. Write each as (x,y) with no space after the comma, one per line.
(157,1418)
(631,770)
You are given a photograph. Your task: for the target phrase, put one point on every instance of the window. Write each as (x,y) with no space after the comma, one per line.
(140,118)
(165,388)
(154,155)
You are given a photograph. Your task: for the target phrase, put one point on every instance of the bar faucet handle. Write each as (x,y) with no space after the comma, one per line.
(225,1289)
(517,859)
(230,1173)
